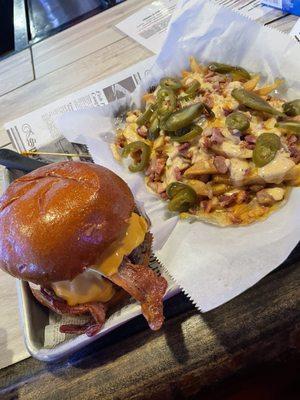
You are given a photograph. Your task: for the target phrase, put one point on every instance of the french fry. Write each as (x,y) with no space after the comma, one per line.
(149,98)
(293,176)
(263,91)
(185,73)
(252,83)
(200,187)
(200,168)
(195,67)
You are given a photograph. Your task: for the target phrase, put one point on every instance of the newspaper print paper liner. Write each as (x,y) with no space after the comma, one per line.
(211,264)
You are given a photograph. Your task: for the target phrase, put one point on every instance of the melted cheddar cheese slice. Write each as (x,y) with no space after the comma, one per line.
(90,287)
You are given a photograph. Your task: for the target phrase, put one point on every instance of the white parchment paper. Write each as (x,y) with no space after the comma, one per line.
(211,264)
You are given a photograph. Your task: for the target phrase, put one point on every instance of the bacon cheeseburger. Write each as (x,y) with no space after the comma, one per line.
(61,222)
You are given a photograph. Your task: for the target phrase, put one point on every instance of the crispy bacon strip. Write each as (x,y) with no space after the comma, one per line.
(97,310)
(142,283)
(89,329)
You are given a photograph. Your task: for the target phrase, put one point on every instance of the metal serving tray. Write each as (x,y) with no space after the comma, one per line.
(35,317)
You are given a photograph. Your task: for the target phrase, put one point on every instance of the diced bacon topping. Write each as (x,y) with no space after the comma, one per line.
(249,142)
(216,136)
(292,140)
(250,139)
(164,195)
(142,131)
(220,164)
(156,168)
(206,205)
(178,173)
(264,198)
(184,146)
(227,200)
(295,153)
(226,111)
(121,141)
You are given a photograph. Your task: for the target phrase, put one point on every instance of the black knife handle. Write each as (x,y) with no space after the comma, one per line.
(12,160)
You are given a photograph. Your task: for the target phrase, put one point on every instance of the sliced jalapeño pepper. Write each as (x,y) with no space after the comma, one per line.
(175,187)
(209,112)
(237,120)
(192,88)
(166,101)
(145,117)
(265,150)
(237,73)
(143,152)
(253,101)
(182,196)
(154,127)
(182,118)
(182,201)
(292,126)
(186,137)
(170,83)
(292,108)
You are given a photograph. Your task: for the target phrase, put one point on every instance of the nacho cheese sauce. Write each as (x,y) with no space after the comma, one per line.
(90,286)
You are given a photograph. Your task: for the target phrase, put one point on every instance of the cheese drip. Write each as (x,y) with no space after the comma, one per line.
(90,287)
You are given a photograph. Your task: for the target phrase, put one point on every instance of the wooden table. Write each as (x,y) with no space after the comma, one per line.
(192,351)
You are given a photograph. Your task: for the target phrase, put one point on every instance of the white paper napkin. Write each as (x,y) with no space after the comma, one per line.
(211,264)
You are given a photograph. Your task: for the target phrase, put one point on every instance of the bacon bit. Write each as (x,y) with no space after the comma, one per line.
(250,139)
(207,206)
(142,131)
(249,142)
(295,154)
(178,173)
(160,187)
(183,150)
(227,200)
(264,198)
(234,218)
(184,146)
(164,195)
(216,85)
(206,143)
(220,164)
(212,136)
(121,141)
(227,111)
(157,187)
(291,140)
(209,100)
(156,168)
(216,136)
(242,197)
(209,74)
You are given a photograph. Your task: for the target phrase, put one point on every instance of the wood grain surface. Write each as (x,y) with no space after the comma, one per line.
(191,352)
(83,55)
(82,39)
(15,71)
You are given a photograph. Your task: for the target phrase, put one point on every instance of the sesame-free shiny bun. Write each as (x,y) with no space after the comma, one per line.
(57,220)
